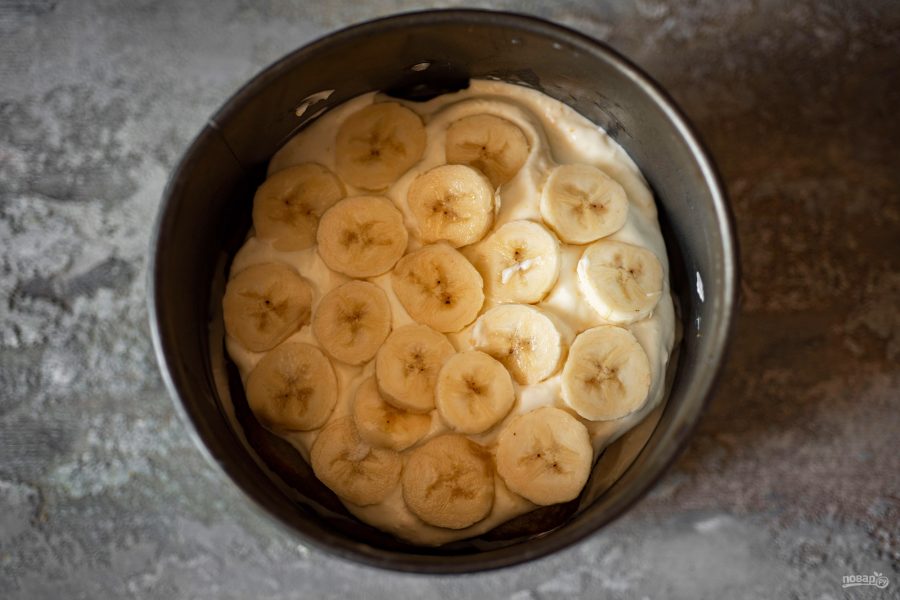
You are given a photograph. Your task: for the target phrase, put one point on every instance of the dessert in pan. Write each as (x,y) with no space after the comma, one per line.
(451,307)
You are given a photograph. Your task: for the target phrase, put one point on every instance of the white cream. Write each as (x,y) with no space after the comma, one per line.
(310,100)
(557,134)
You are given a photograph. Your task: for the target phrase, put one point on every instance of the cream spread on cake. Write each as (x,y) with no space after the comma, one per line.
(571,301)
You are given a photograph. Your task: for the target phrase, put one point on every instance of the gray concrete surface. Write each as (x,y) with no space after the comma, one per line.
(793,479)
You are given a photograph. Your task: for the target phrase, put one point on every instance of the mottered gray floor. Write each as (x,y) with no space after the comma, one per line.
(793,479)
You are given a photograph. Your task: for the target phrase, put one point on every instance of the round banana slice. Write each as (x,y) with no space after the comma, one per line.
(449,482)
(407,366)
(438,287)
(582,203)
(545,456)
(607,374)
(264,304)
(521,337)
(378,144)
(473,392)
(519,262)
(363,236)
(622,282)
(453,203)
(383,425)
(352,321)
(354,470)
(491,144)
(293,388)
(288,205)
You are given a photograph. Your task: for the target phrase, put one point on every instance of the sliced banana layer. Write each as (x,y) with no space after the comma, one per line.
(449,482)
(354,470)
(582,203)
(383,425)
(288,205)
(545,456)
(607,374)
(521,337)
(519,262)
(473,392)
(438,287)
(407,366)
(363,236)
(622,282)
(491,144)
(264,304)
(293,388)
(378,144)
(453,203)
(352,321)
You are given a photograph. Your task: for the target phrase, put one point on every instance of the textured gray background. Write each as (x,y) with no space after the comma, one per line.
(793,479)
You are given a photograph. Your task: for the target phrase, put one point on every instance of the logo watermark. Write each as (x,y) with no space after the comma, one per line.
(876,579)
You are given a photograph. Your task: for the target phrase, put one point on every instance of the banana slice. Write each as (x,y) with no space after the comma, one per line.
(288,205)
(449,482)
(622,282)
(264,304)
(607,374)
(493,145)
(407,366)
(354,470)
(382,425)
(293,388)
(454,203)
(519,262)
(438,287)
(545,456)
(582,203)
(352,321)
(521,337)
(473,392)
(363,236)
(378,144)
